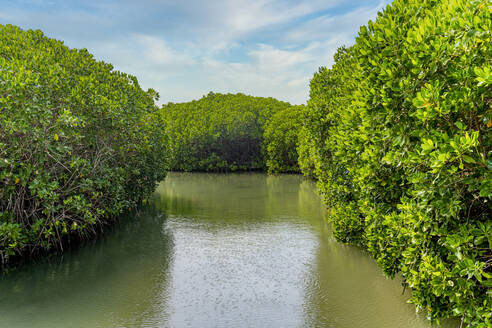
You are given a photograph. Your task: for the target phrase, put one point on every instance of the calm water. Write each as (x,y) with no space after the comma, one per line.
(242,250)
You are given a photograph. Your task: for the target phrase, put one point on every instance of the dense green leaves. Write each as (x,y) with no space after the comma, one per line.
(222,132)
(79,142)
(281,139)
(398,133)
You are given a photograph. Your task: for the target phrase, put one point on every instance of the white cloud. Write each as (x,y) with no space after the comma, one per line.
(271,58)
(186,49)
(244,16)
(228,20)
(341,27)
(160,53)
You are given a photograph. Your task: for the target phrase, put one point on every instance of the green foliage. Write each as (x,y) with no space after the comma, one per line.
(219,132)
(398,133)
(79,142)
(281,139)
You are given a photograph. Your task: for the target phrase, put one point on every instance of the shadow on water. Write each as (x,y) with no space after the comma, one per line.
(114,281)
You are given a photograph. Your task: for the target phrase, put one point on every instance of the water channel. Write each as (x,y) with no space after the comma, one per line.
(212,250)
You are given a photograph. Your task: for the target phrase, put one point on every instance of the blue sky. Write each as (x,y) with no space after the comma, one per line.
(184,49)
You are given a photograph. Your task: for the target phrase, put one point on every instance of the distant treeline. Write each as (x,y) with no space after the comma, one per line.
(232,132)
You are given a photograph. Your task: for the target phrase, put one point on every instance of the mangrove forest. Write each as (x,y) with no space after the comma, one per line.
(396,139)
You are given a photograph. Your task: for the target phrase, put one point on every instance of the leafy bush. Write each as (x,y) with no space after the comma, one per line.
(398,133)
(281,140)
(219,132)
(79,142)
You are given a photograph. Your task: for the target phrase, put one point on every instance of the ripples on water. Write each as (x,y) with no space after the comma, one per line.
(239,250)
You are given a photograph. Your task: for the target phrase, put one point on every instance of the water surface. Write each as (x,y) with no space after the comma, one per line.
(239,250)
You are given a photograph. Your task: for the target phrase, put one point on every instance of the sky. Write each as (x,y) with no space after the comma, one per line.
(185,49)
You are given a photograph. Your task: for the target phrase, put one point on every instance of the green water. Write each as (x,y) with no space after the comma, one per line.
(240,250)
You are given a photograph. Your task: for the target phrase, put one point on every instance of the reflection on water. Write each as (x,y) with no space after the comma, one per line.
(111,282)
(239,250)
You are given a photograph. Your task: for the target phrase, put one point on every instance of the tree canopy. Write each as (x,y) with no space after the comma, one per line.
(398,133)
(79,142)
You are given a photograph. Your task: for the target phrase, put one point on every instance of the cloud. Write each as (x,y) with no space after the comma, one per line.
(160,53)
(245,16)
(339,27)
(270,58)
(184,49)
